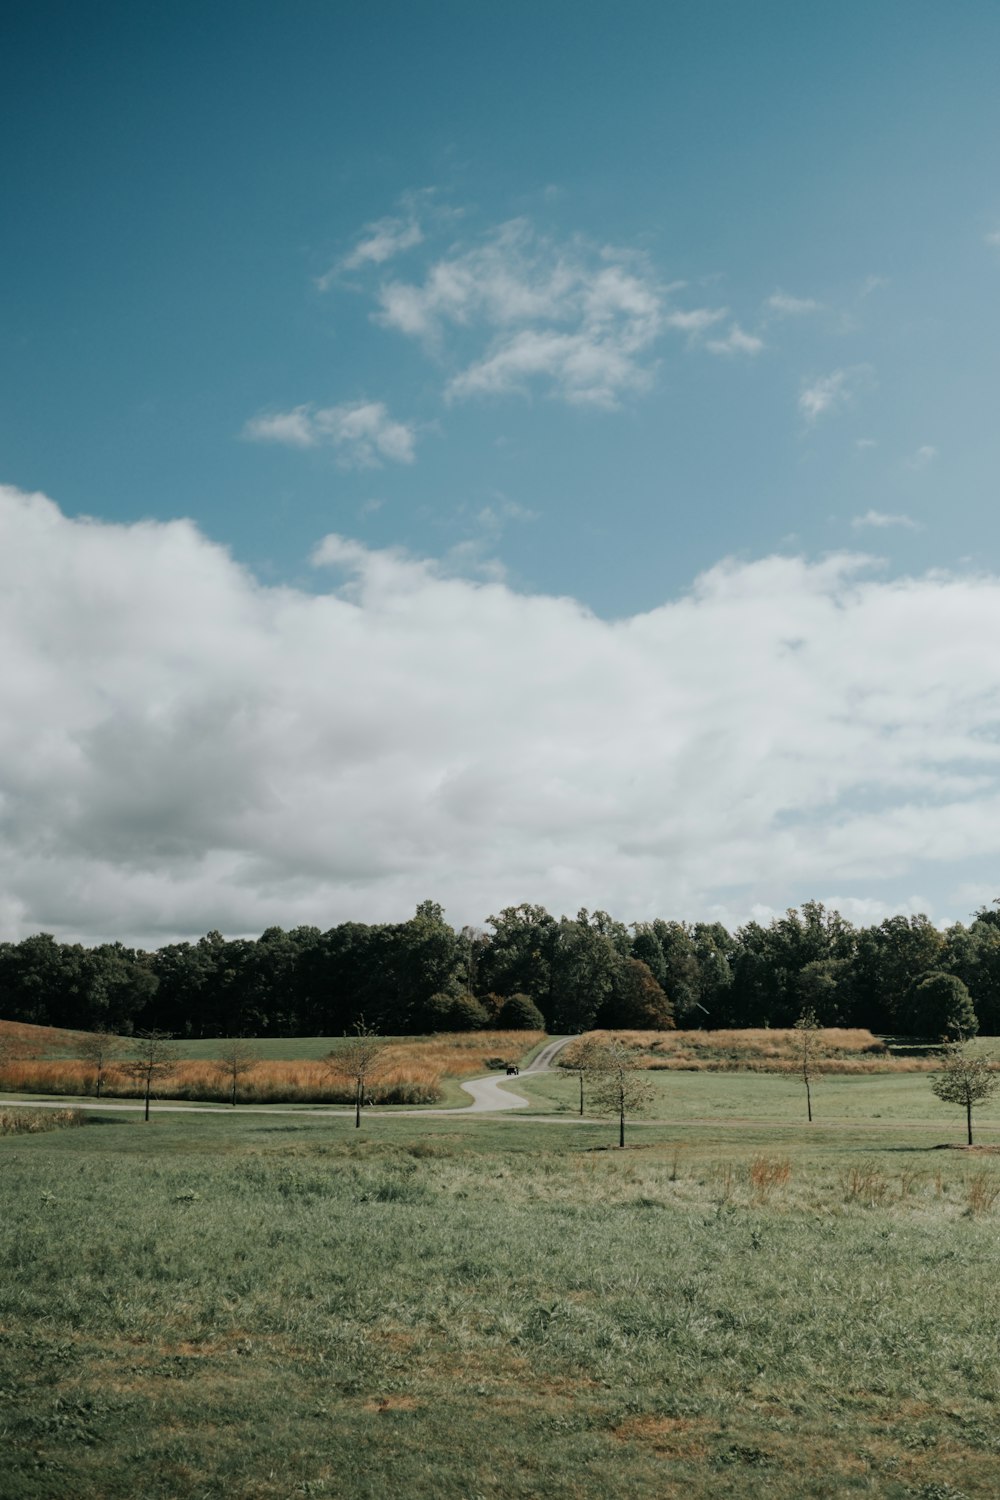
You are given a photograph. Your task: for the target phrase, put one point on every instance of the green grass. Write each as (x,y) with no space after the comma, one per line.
(881,1099)
(255,1307)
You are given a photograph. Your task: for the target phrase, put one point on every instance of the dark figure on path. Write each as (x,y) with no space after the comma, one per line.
(512,1070)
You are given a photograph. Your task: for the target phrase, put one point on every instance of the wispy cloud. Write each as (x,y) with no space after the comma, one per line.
(384,239)
(577,318)
(925,454)
(993,238)
(784,306)
(736,341)
(879,519)
(695,321)
(830,393)
(362,432)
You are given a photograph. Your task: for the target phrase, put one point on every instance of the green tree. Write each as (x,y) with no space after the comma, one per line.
(620,1085)
(939,1005)
(637,1001)
(965,1080)
(520,1013)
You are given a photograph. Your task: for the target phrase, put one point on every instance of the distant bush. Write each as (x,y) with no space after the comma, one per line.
(446,1012)
(520,1013)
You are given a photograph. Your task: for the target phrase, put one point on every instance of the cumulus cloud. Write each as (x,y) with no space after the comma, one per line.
(880,519)
(184,747)
(362,432)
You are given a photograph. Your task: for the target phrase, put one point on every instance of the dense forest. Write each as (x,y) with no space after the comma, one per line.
(527,967)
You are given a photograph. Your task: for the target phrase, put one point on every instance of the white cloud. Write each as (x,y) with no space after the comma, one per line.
(362,432)
(382,241)
(993,238)
(830,393)
(880,519)
(736,341)
(696,320)
(785,306)
(924,455)
(572,318)
(183,747)
(386,238)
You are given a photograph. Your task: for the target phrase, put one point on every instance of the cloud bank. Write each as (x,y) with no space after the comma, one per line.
(184,747)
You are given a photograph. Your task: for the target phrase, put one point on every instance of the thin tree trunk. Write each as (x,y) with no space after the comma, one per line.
(234,1090)
(621,1129)
(809,1102)
(581,1091)
(968,1117)
(357,1108)
(147,1100)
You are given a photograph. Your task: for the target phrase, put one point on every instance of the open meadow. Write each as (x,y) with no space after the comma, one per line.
(271,1305)
(414,1070)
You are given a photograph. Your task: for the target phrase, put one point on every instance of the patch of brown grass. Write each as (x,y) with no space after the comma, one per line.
(411,1073)
(835,1049)
(33,1121)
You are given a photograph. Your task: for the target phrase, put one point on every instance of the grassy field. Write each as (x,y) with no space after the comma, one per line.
(276,1306)
(418,1070)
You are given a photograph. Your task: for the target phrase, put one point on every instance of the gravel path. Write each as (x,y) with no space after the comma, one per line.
(492,1094)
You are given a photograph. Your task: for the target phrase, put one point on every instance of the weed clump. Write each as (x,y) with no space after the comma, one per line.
(34,1121)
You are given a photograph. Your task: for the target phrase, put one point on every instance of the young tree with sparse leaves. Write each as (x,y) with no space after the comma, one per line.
(965,1080)
(154,1059)
(619,1082)
(358,1059)
(807,1026)
(236,1059)
(582,1056)
(99,1048)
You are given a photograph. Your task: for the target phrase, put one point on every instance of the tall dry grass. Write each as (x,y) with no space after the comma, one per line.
(834,1050)
(32,1121)
(412,1072)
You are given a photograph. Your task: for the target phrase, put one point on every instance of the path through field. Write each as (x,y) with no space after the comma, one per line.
(493,1093)
(490,1095)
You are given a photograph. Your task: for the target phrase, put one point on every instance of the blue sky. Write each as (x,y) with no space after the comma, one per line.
(604,321)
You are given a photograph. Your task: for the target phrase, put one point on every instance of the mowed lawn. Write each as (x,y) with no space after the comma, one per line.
(251,1306)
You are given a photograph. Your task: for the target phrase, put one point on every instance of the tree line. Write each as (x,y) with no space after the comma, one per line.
(524,968)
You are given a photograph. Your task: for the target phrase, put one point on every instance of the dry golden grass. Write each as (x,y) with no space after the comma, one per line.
(411,1073)
(834,1050)
(32,1121)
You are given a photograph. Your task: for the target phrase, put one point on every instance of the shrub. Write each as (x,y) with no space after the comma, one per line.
(520,1013)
